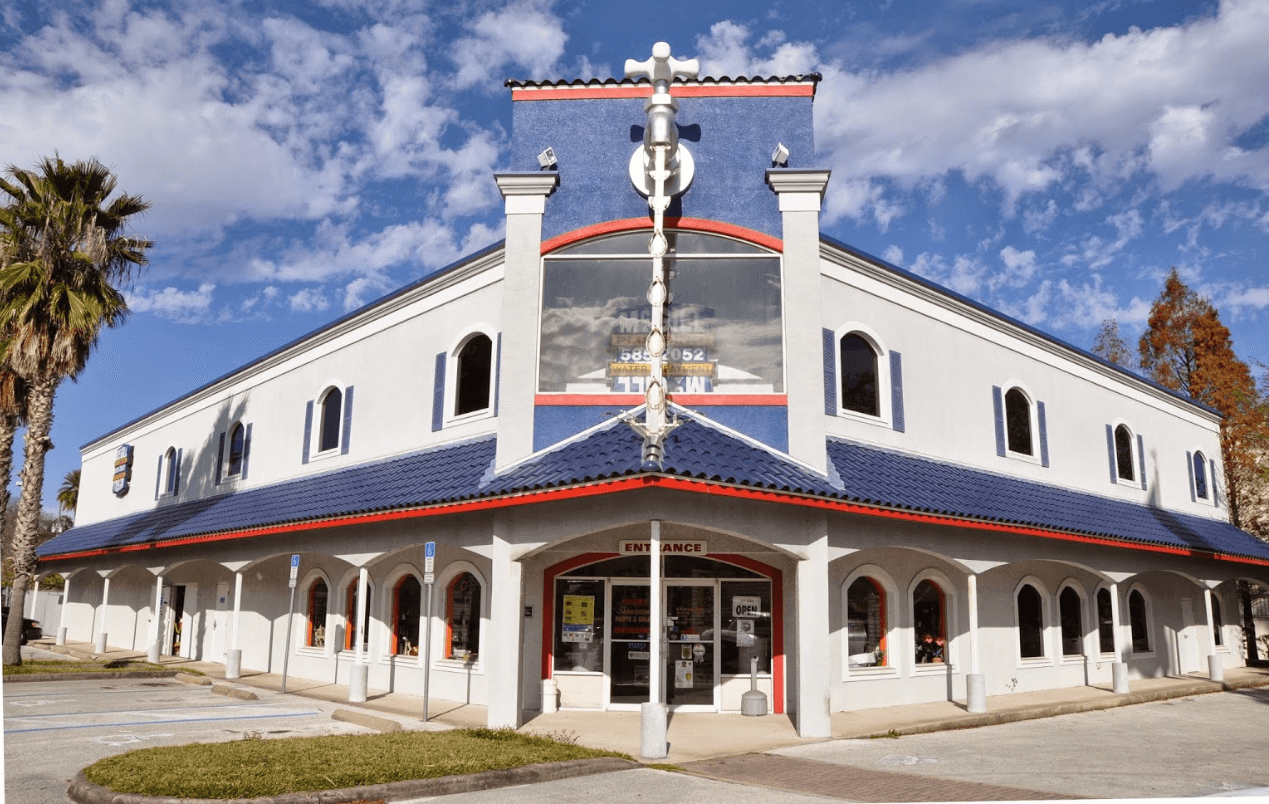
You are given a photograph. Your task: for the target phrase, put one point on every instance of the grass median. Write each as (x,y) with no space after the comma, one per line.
(40,666)
(252,768)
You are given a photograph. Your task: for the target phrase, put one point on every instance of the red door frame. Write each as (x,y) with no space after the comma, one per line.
(767,571)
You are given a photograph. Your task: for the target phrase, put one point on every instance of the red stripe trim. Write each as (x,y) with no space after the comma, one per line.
(679,91)
(631,400)
(665,482)
(689,224)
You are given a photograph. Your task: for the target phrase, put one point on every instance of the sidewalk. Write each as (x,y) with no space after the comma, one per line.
(696,736)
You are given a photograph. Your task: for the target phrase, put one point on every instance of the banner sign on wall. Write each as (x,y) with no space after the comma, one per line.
(123,470)
(635,547)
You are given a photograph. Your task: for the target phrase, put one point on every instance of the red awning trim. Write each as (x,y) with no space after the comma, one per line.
(690,224)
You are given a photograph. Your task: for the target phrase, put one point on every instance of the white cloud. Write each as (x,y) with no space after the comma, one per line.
(524,35)
(181,306)
(308,300)
(893,254)
(725,51)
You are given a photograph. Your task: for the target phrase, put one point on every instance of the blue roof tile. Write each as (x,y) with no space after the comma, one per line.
(697,449)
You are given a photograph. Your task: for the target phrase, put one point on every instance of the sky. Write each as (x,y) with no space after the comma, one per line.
(1052,160)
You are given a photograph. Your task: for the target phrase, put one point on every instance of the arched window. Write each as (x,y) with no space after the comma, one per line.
(350,612)
(1069,605)
(1123,453)
(1218,625)
(859,376)
(1018,421)
(462,618)
(1105,622)
(405,616)
(317,602)
(332,407)
(1030,622)
(1200,476)
(929,620)
(237,445)
(170,466)
(1137,619)
(472,372)
(866,624)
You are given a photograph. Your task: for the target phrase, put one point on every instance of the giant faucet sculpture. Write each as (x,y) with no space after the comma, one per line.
(661,168)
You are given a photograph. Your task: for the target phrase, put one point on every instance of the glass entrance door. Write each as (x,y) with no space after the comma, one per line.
(691,627)
(630,649)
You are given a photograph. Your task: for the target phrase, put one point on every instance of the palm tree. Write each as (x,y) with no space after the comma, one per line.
(63,254)
(68,494)
(12,415)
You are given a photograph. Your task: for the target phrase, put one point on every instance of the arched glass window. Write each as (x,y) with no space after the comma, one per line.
(1123,453)
(474,361)
(317,601)
(350,616)
(462,618)
(1030,622)
(859,376)
(866,624)
(237,444)
(1137,618)
(929,620)
(1200,476)
(1018,421)
(405,616)
(332,406)
(1105,622)
(1072,622)
(169,463)
(1218,625)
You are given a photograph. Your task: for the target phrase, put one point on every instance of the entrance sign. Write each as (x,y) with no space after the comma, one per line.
(636,547)
(746,606)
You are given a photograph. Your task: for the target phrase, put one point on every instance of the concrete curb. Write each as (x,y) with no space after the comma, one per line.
(93,676)
(190,678)
(234,692)
(369,721)
(1052,710)
(83,791)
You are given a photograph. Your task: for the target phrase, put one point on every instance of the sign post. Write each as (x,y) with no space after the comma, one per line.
(429,560)
(290,615)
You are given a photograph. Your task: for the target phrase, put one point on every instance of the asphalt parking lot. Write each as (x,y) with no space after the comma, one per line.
(53,729)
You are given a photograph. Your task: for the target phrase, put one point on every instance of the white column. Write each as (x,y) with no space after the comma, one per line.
(237,608)
(1215,667)
(99,634)
(525,195)
(1119,670)
(813,654)
(801,192)
(502,659)
(362,632)
(971,582)
(156,646)
(61,617)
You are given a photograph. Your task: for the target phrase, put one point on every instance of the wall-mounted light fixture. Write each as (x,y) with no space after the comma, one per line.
(547,159)
(780,156)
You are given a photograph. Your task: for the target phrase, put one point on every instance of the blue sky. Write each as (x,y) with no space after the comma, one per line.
(1052,160)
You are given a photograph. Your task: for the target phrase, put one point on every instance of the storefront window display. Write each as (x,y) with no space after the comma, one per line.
(724,320)
(406,623)
(866,623)
(930,623)
(462,618)
(317,598)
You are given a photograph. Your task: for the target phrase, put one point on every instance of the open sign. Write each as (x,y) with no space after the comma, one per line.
(746,605)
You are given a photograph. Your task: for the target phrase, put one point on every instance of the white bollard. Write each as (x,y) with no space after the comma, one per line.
(1215,667)
(152,655)
(99,644)
(1119,678)
(359,683)
(550,696)
(653,724)
(61,635)
(233,664)
(976,692)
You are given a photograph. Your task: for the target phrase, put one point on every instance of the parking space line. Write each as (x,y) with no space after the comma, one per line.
(156,722)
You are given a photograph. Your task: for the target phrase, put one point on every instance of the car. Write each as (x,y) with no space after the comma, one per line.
(30,628)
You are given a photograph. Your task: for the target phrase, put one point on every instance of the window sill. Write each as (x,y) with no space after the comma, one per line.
(1145,654)
(1074,658)
(862,418)
(325,454)
(458,666)
(869,673)
(1035,662)
(577,673)
(1022,456)
(933,669)
(308,650)
(1128,484)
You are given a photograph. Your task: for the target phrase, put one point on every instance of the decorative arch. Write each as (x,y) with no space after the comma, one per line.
(636,224)
(1032,618)
(920,620)
(472,373)
(1140,619)
(1072,633)
(889,621)
(849,401)
(316,613)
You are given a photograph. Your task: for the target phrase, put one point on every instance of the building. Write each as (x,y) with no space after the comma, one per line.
(874,490)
